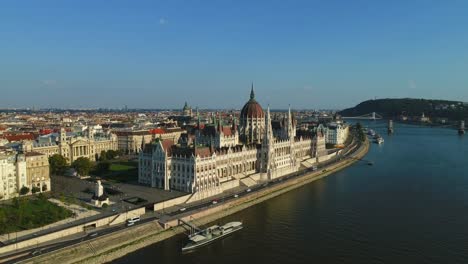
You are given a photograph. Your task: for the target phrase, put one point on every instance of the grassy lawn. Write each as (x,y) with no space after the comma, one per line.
(120,171)
(30,212)
(120,167)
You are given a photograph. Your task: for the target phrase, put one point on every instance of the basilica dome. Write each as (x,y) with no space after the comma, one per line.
(252,108)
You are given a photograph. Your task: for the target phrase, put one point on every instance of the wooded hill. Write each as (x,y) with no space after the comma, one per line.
(392,108)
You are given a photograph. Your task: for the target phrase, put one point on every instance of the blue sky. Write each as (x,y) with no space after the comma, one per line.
(158,54)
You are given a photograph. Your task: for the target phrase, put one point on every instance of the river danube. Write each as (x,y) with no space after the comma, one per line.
(411,206)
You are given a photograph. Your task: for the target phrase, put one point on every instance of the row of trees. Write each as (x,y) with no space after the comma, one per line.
(25,190)
(360,132)
(108,155)
(58,164)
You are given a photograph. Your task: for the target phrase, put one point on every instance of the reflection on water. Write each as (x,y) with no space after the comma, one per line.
(410,207)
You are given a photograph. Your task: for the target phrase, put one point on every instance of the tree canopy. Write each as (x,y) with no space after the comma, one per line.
(58,164)
(82,166)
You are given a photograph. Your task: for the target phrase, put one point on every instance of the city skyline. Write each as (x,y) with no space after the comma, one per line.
(311,55)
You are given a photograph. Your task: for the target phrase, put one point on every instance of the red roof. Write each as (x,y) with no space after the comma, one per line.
(227,131)
(19,137)
(167,143)
(45,131)
(252,109)
(157,131)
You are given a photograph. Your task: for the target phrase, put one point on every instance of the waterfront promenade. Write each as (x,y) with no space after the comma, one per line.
(116,244)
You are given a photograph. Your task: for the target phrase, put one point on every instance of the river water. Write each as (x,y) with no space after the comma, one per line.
(411,206)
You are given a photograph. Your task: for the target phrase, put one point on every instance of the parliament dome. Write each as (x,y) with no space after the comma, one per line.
(252,109)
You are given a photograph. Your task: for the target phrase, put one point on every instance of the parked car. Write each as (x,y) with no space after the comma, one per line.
(36,252)
(215,202)
(133,220)
(182,209)
(93,234)
(248,190)
(236,195)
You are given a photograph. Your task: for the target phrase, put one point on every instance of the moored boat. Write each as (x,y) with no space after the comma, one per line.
(379,140)
(210,234)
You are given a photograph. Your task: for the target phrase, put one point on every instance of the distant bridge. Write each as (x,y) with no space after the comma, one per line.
(370,116)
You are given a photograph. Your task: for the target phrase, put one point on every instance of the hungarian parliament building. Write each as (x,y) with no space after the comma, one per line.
(214,157)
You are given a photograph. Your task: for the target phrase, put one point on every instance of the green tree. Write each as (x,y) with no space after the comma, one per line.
(103,166)
(24,190)
(58,164)
(360,132)
(103,156)
(111,154)
(82,166)
(35,189)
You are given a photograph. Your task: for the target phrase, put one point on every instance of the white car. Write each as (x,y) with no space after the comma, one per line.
(236,195)
(248,190)
(215,202)
(182,209)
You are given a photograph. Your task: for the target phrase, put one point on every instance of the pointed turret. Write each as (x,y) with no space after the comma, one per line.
(198,120)
(220,124)
(234,124)
(267,149)
(143,143)
(290,124)
(215,122)
(252,93)
(268,129)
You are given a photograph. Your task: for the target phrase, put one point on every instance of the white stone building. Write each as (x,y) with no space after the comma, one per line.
(12,173)
(335,133)
(252,121)
(217,134)
(208,169)
(72,146)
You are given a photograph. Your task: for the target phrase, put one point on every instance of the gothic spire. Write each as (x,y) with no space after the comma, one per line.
(290,124)
(143,143)
(252,93)
(268,130)
(220,125)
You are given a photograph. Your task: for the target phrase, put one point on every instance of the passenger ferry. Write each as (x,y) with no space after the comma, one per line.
(210,234)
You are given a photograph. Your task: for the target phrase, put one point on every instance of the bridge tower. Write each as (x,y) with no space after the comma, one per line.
(390,126)
(373,115)
(461,129)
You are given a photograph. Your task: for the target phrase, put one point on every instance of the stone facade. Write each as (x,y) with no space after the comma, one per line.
(130,141)
(19,170)
(72,147)
(12,173)
(37,171)
(252,121)
(210,166)
(217,134)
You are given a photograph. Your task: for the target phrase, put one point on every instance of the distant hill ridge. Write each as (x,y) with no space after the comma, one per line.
(391,108)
